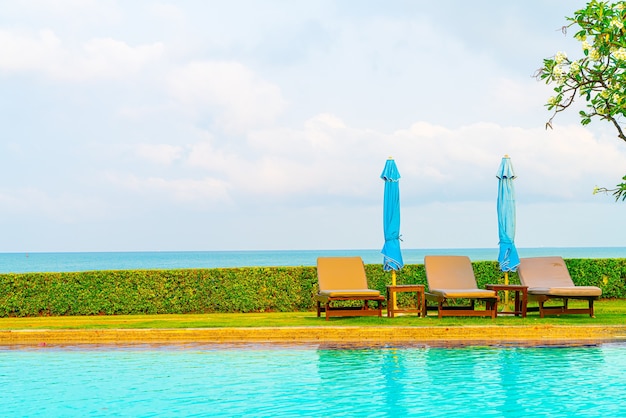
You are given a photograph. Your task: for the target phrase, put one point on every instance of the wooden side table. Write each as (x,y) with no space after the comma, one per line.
(420,303)
(520,297)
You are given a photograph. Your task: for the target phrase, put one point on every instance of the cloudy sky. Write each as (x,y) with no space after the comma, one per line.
(253,125)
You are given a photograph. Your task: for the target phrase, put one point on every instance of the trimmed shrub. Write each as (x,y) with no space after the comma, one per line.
(246,289)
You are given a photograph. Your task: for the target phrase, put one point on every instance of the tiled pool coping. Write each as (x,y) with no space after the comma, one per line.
(347,334)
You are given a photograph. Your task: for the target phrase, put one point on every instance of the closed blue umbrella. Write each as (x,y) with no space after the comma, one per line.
(507,257)
(392,256)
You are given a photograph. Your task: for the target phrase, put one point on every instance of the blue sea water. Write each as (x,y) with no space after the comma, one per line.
(310,381)
(87,261)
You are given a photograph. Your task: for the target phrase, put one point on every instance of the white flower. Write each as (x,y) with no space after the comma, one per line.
(585,45)
(557,73)
(594,54)
(615,22)
(560,57)
(574,67)
(552,101)
(620,53)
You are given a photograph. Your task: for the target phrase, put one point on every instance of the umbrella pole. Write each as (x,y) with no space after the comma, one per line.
(506,292)
(506,282)
(393,294)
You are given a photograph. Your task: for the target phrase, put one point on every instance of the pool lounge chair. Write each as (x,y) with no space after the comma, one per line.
(548,278)
(343,279)
(452,278)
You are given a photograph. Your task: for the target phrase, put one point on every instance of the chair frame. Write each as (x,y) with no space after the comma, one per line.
(337,311)
(444,309)
(562,309)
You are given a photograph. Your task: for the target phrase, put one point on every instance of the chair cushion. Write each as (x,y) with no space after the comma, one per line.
(544,272)
(449,272)
(573,291)
(463,293)
(335,273)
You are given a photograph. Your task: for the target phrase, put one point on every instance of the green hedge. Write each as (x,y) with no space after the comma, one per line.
(250,289)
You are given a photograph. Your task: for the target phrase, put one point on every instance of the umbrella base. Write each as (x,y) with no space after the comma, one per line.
(506,308)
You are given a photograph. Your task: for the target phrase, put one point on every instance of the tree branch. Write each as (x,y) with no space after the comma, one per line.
(620,131)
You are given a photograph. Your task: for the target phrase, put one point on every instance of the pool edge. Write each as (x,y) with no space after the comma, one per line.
(345,334)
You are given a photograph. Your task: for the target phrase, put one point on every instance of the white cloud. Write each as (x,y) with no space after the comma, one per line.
(237,97)
(205,192)
(203,154)
(557,164)
(110,58)
(436,163)
(98,58)
(64,10)
(65,208)
(160,153)
(192,106)
(28,53)
(168,12)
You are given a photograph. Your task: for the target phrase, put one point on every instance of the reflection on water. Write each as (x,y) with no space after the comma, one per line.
(313,380)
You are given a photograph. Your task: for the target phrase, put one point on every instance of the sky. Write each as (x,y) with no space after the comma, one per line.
(249,125)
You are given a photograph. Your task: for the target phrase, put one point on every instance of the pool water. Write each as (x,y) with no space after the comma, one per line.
(313,380)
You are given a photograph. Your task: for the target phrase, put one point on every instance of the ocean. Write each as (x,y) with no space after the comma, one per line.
(88,261)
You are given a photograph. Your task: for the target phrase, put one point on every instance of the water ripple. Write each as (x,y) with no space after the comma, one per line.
(251,380)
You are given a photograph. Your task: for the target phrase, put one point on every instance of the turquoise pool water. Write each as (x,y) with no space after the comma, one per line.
(313,380)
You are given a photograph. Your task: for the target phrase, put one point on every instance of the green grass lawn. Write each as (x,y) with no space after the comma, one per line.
(608,312)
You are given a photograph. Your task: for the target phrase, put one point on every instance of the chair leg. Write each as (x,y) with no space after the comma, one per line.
(591,308)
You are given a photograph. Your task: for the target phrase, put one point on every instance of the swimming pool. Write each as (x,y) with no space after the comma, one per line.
(312,380)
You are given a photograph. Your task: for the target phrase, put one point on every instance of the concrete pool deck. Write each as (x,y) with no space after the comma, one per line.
(535,334)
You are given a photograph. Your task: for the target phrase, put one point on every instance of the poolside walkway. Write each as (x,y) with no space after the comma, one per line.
(536,334)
